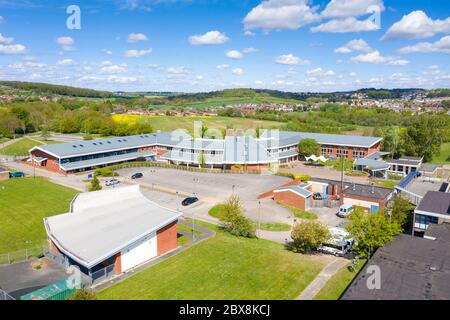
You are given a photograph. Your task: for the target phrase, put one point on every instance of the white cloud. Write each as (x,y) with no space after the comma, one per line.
(417,25)
(249,33)
(178,70)
(350,24)
(234,54)
(210,37)
(121,79)
(12,49)
(137,37)
(5,39)
(250,50)
(112,69)
(66,43)
(290,59)
(354,45)
(238,72)
(319,72)
(280,14)
(350,8)
(223,66)
(376,58)
(259,82)
(65,62)
(107,52)
(137,53)
(440,46)
(2,20)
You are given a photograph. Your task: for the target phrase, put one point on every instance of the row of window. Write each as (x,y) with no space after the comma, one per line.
(97,156)
(327,151)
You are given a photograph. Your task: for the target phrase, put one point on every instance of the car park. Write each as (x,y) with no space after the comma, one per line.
(345,210)
(137,175)
(111,182)
(188,201)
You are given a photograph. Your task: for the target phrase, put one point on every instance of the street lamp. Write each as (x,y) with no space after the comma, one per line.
(259,218)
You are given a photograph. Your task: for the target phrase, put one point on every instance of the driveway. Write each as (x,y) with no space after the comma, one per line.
(20,278)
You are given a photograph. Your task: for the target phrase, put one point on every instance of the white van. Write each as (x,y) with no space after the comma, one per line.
(339,244)
(345,210)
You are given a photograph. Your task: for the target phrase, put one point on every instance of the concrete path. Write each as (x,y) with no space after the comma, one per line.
(320,281)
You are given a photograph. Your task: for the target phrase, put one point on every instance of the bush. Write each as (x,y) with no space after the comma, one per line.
(394,176)
(105,172)
(355,173)
(82,294)
(308,235)
(88,137)
(95,185)
(234,220)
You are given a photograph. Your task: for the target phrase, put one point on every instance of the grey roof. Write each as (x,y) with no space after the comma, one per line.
(287,154)
(429,167)
(411,158)
(372,164)
(368,191)
(435,202)
(405,162)
(291,138)
(439,231)
(105,222)
(298,189)
(377,155)
(412,268)
(105,160)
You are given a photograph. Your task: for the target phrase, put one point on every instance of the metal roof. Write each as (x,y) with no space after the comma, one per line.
(245,150)
(106,160)
(368,191)
(105,222)
(372,164)
(300,189)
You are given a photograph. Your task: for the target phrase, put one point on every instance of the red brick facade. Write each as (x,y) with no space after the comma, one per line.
(292,199)
(51,163)
(381,202)
(167,238)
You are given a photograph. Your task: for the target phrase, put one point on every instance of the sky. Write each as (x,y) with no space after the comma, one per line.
(206,45)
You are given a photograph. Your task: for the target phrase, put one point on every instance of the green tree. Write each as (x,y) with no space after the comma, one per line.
(309,147)
(308,235)
(234,220)
(82,294)
(371,231)
(400,210)
(95,184)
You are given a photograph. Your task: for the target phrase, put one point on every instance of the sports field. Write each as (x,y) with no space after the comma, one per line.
(22,146)
(24,202)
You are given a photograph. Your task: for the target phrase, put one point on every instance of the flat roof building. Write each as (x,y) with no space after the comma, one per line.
(118,227)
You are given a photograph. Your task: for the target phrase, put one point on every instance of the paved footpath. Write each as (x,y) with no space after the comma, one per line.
(320,281)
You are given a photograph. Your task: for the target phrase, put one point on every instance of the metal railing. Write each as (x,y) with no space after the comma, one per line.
(23,255)
(4,296)
(102,274)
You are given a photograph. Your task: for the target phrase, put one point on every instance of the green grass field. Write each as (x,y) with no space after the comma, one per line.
(222,267)
(218,212)
(386,183)
(24,202)
(338,283)
(444,157)
(172,123)
(21,147)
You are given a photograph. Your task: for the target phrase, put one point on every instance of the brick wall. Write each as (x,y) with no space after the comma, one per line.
(167,238)
(51,163)
(291,199)
(53,248)
(118,264)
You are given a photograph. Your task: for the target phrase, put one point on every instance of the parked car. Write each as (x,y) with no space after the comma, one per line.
(137,175)
(345,210)
(317,196)
(17,174)
(112,182)
(189,201)
(339,244)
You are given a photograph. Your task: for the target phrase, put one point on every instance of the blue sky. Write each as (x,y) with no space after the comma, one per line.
(204,45)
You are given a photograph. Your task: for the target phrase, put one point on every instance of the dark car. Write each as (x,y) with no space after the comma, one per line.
(17,174)
(189,201)
(137,176)
(317,196)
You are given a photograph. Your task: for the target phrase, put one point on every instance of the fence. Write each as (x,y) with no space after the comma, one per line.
(23,255)
(5,296)
(102,274)
(325,203)
(178,167)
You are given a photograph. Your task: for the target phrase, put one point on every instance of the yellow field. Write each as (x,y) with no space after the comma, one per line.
(170,123)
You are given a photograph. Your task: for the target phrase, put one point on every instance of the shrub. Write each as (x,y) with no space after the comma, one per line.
(308,235)
(95,184)
(82,294)
(105,172)
(234,220)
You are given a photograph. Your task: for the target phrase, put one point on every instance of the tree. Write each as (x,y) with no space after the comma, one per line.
(234,221)
(201,159)
(308,235)
(308,147)
(371,231)
(82,294)
(95,184)
(203,131)
(400,210)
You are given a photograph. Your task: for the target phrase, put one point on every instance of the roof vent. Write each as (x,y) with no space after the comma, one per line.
(100,143)
(94,144)
(108,142)
(81,146)
(119,140)
(74,146)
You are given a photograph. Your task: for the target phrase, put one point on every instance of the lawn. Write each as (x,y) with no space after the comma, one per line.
(172,123)
(444,157)
(218,212)
(24,202)
(337,285)
(21,147)
(222,267)
(300,213)
(386,183)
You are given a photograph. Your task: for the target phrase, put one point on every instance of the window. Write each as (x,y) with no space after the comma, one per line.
(422,221)
(358,153)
